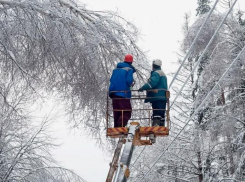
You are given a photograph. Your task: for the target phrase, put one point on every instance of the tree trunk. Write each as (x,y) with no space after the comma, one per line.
(231,160)
(200,176)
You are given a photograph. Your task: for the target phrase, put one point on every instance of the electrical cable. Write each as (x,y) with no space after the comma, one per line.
(206,48)
(198,108)
(193,43)
(188,53)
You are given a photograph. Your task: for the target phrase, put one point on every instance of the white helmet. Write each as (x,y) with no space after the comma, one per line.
(157,62)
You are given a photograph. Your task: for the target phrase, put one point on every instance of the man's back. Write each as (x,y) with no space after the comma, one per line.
(122,79)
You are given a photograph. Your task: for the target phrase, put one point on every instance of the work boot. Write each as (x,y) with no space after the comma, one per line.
(156,120)
(162,122)
(152,138)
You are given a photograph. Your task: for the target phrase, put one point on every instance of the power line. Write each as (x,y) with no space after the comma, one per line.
(187,55)
(193,43)
(206,48)
(137,157)
(202,103)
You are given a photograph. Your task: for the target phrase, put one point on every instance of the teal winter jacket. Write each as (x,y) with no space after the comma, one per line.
(158,80)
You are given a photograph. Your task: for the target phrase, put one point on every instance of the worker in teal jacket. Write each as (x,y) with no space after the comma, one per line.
(156,95)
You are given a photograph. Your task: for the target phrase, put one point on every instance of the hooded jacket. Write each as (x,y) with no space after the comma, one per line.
(121,80)
(158,80)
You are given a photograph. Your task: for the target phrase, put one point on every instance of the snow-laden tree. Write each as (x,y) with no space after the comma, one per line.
(25,145)
(220,121)
(60,47)
(203,6)
(211,147)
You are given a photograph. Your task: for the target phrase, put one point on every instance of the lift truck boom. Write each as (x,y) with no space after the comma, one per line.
(135,135)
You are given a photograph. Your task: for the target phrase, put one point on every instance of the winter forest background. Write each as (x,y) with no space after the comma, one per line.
(61,51)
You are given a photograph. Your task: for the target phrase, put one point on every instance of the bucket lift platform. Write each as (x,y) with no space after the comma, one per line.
(157,131)
(117,132)
(132,136)
(129,137)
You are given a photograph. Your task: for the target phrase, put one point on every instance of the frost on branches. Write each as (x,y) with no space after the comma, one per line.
(219,126)
(62,48)
(211,147)
(25,145)
(55,47)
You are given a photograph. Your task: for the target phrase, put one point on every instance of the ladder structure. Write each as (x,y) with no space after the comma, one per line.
(134,135)
(123,169)
(113,164)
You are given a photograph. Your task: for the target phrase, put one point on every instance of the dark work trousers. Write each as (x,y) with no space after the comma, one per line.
(159,104)
(121,117)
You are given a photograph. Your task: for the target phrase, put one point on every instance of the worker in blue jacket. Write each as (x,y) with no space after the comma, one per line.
(156,95)
(119,90)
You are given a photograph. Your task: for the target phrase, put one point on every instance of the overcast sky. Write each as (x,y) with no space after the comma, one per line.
(159,22)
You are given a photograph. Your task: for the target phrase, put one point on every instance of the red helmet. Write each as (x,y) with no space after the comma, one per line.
(128,58)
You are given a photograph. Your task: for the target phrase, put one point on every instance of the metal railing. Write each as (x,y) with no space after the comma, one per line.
(138,97)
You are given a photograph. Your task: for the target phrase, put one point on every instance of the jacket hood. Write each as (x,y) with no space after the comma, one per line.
(155,69)
(124,64)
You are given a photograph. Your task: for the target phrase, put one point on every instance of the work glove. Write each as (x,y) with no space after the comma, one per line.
(134,70)
(140,90)
(133,84)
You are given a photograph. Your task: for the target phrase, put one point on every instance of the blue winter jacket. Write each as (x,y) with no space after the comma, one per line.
(121,80)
